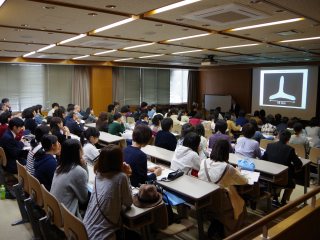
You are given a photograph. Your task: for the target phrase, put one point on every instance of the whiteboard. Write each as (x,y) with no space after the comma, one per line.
(214,101)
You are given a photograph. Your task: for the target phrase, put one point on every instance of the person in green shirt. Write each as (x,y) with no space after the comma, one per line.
(117,126)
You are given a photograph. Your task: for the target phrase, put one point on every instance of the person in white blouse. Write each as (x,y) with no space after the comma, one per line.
(89,138)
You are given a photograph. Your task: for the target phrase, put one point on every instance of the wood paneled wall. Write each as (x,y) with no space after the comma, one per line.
(234,82)
(100,88)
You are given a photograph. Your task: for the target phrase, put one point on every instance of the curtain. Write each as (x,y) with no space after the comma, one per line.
(81,87)
(193,86)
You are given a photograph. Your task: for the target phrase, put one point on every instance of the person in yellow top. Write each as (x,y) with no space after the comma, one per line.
(232,127)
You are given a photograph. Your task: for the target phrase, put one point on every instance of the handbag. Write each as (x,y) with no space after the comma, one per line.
(246,164)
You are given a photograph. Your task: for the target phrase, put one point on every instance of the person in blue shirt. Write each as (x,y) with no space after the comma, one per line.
(137,159)
(165,138)
(241,120)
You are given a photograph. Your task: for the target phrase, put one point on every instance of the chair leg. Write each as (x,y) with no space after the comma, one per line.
(20,200)
(44,227)
(34,219)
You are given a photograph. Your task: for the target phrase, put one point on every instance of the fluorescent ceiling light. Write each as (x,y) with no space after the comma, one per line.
(73,38)
(173,6)
(300,39)
(238,46)
(150,56)
(267,24)
(47,47)
(75,58)
(191,51)
(2,2)
(137,46)
(115,24)
(30,53)
(122,59)
(109,51)
(182,38)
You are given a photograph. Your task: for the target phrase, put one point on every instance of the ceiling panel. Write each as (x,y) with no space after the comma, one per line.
(52,56)
(127,6)
(311,44)
(34,15)
(150,31)
(10,54)
(71,50)
(19,47)
(124,54)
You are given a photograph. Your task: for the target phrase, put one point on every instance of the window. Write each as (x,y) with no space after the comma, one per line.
(30,84)
(178,86)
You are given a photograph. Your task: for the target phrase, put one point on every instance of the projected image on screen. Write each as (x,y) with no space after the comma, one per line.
(283,88)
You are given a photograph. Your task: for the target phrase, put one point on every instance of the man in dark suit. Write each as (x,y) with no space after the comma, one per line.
(282,153)
(12,147)
(74,125)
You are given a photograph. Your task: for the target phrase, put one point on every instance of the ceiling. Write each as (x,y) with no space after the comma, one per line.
(29,25)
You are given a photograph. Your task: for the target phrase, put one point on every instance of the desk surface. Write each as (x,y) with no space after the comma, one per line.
(190,187)
(90,125)
(158,152)
(261,165)
(109,138)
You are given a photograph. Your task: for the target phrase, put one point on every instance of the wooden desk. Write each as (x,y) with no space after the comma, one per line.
(196,192)
(90,125)
(269,171)
(304,180)
(158,153)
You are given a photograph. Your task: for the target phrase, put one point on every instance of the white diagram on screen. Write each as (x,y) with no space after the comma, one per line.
(281,94)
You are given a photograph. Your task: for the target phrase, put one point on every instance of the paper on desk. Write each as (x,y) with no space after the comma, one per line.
(251,176)
(164,173)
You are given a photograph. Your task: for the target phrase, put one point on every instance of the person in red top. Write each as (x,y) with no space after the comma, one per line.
(197,119)
(4,119)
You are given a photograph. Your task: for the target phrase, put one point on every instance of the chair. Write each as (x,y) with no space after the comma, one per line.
(20,189)
(299,149)
(314,157)
(264,143)
(73,226)
(3,158)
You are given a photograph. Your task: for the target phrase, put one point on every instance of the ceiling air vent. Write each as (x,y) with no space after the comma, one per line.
(226,14)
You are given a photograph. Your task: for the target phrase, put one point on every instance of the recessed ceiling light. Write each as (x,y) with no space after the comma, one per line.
(122,59)
(280,10)
(111,6)
(179,19)
(47,47)
(72,39)
(158,25)
(191,51)
(28,54)
(188,37)
(2,2)
(150,56)
(307,59)
(300,39)
(238,46)
(3,39)
(43,28)
(104,52)
(92,14)
(75,58)
(205,25)
(172,6)
(140,45)
(18,30)
(59,29)
(24,25)
(48,7)
(115,24)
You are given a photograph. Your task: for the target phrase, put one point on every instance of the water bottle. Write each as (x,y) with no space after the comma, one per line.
(2,192)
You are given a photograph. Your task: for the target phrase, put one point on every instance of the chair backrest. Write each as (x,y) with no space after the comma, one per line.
(130,120)
(3,158)
(52,207)
(264,143)
(73,226)
(35,190)
(23,177)
(314,155)
(299,149)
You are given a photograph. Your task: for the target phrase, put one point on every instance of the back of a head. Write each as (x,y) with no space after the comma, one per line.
(103,116)
(227,116)
(70,155)
(192,140)
(284,136)
(53,105)
(256,113)
(110,107)
(166,124)
(314,122)
(200,129)
(262,113)
(5,100)
(110,160)
(143,105)
(221,126)
(47,141)
(157,119)
(220,152)
(270,119)
(278,117)
(28,112)
(54,122)
(248,130)
(284,120)
(297,127)
(4,117)
(116,116)
(124,109)
(143,116)
(89,132)
(40,131)
(254,123)
(198,115)
(141,134)
(70,107)
(186,128)
(16,122)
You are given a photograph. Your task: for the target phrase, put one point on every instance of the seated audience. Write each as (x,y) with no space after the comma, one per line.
(29,122)
(262,114)
(12,147)
(257,134)
(89,116)
(4,122)
(220,133)
(70,180)
(165,138)
(277,119)
(74,125)
(156,124)
(173,114)
(45,162)
(102,122)
(241,120)
(55,106)
(152,111)
(38,117)
(185,129)
(231,126)
(199,129)
(116,127)
(137,159)
(196,119)
(283,124)
(183,116)
(143,119)
(268,129)
(36,146)
(61,113)
(89,139)
(186,156)
(110,113)
(217,170)
(298,137)
(60,131)
(110,194)
(246,146)
(313,131)
(256,116)
(280,152)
